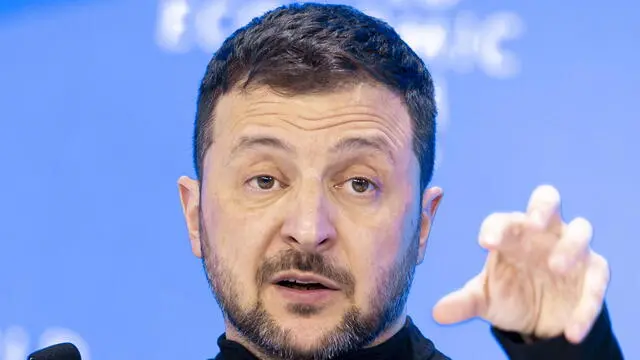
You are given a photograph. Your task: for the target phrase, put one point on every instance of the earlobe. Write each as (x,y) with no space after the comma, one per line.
(430,202)
(190,200)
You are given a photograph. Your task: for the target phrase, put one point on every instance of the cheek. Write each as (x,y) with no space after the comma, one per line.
(235,247)
(377,251)
(371,265)
(234,270)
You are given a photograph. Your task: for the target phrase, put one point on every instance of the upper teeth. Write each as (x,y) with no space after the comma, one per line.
(300,282)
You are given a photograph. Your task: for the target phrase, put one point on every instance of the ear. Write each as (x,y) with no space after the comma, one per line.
(190,200)
(430,202)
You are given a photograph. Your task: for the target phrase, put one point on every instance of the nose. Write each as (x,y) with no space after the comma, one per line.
(308,225)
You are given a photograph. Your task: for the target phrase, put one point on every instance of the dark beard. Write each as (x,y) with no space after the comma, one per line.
(356,329)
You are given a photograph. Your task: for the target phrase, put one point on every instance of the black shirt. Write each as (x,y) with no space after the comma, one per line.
(410,344)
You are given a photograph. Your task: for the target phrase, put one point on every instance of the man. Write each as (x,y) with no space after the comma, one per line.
(314,149)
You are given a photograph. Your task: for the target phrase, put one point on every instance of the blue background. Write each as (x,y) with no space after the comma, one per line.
(96,111)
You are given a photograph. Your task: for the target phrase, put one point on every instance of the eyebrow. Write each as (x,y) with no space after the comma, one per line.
(347,145)
(376,144)
(253,142)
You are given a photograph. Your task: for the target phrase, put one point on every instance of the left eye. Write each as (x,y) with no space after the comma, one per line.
(361,185)
(264,183)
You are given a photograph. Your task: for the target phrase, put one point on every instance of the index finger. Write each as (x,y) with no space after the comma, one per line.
(544,208)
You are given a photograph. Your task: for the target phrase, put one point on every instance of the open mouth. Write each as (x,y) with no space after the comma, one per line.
(296,285)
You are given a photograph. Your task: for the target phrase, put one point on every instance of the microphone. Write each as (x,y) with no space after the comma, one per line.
(64,351)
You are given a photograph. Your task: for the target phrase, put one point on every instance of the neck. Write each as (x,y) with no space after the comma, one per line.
(391,330)
(231,333)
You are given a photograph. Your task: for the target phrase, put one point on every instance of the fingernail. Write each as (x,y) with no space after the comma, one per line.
(490,240)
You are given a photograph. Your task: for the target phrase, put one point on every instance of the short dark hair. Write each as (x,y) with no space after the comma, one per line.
(316,48)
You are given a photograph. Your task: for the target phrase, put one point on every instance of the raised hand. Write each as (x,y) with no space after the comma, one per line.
(541,277)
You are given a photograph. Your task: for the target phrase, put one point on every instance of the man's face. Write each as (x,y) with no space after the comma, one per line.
(308,218)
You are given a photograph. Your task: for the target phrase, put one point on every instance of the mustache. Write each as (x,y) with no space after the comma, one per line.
(306,262)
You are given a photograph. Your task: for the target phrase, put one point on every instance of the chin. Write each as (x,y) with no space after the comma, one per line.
(307,342)
(307,327)
(307,335)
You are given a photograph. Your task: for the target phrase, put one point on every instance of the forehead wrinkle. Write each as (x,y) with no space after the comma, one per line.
(317,112)
(360,99)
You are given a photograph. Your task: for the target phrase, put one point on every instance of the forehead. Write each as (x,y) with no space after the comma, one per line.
(324,117)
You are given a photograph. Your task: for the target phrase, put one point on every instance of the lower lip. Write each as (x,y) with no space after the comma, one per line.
(305,296)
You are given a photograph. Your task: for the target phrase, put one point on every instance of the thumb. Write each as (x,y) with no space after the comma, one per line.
(463,304)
